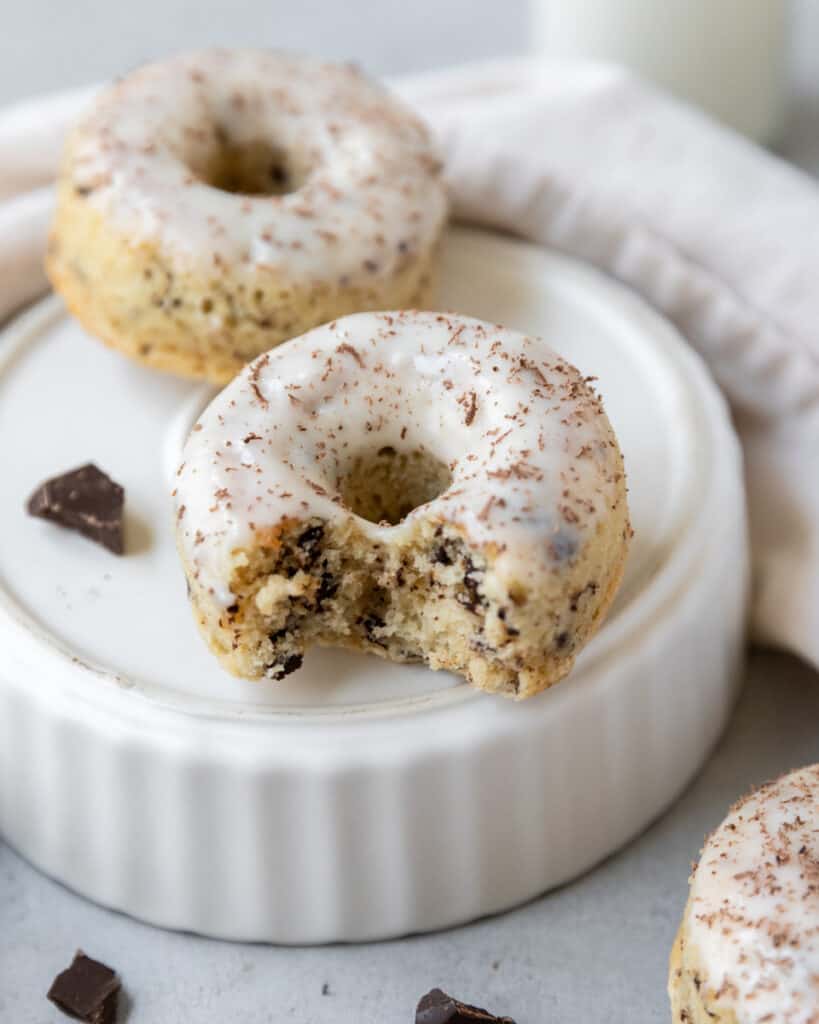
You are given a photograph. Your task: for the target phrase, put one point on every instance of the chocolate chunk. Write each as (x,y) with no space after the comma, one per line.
(85,500)
(436,1007)
(87,990)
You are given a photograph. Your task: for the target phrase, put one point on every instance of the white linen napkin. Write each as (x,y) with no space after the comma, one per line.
(718,235)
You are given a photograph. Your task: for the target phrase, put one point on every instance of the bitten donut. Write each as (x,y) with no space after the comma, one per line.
(747,951)
(213,205)
(426,487)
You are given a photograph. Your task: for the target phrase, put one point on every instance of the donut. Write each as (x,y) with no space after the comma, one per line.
(422,486)
(747,951)
(213,205)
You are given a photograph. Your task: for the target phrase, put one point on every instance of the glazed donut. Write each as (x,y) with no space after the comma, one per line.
(216,204)
(747,951)
(426,487)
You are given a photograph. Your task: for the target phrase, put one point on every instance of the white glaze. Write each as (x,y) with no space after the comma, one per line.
(372,197)
(753,921)
(535,467)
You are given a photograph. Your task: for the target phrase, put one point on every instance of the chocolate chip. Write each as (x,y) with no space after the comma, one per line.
(327,588)
(278,175)
(562,547)
(470,598)
(436,1007)
(87,991)
(578,595)
(371,623)
(441,555)
(85,500)
(289,665)
(309,539)
(561,640)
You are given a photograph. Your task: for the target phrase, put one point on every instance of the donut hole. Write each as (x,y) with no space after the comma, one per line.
(254,168)
(384,485)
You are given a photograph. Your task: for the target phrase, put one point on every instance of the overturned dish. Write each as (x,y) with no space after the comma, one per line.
(358,798)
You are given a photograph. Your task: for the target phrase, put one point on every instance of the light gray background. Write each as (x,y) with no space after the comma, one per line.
(595,951)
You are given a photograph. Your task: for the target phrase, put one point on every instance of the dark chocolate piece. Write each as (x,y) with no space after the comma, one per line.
(436,1007)
(85,500)
(87,991)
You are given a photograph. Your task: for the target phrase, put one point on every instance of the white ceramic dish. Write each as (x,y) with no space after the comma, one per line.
(357,799)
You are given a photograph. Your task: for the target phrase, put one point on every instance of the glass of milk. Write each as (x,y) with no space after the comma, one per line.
(727,56)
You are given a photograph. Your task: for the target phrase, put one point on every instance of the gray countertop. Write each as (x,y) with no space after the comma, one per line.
(595,950)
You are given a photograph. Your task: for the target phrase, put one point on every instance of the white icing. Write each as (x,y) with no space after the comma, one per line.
(535,467)
(753,922)
(372,198)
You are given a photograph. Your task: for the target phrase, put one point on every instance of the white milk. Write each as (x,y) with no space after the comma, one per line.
(727,56)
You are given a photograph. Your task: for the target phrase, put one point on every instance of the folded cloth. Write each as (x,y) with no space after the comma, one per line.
(718,235)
